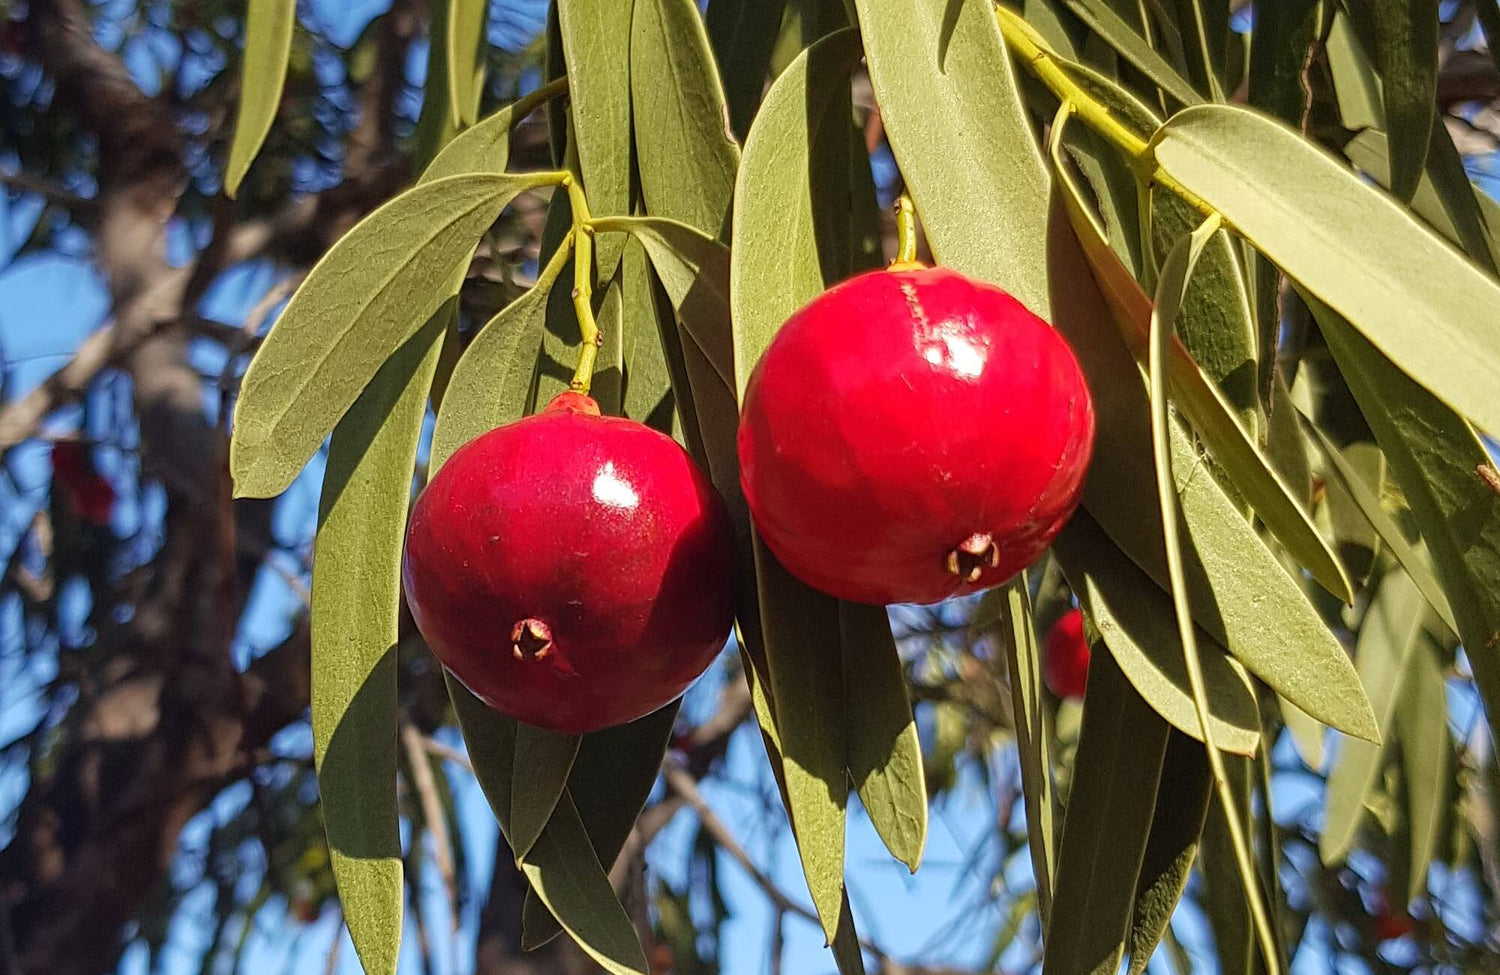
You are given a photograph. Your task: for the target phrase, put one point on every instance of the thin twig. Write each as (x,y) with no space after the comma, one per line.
(432,811)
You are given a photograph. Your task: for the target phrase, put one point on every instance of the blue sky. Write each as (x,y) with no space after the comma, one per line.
(948,913)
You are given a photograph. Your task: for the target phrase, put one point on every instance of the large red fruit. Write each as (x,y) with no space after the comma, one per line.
(572,570)
(912,435)
(1065,660)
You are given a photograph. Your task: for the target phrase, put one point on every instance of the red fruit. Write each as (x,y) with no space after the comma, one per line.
(913,435)
(1389,927)
(1065,661)
(89,496)
(572,570)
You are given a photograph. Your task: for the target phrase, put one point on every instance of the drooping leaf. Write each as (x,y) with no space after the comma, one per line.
(1356,86)
(596,45)
(949,104)
(1223,893)
(801,629)
(465,42)
(1426,746)
(1402,286)
(543,759)
(356,596)
(1405,33)
(485,146)
(491,382)
(1203,404)
(611,779)
(1392,631)
(562,868)
(1439,465)
(1111,806)
(1033,739)
(885,755)
(268,47)
(360,303)
(1104,21)
(790,223)
(688,156)
(648,381)
(1182,798)
(1134,616)
(743,33)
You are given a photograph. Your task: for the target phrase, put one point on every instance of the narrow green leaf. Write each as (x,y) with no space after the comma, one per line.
(1307,733)
(1111,807)
(1202,403)
(568,878)
(563,868)
(801,631)
(361,301)
(694,270)
(1033,738)
(543,759)
(596,45)
(1417,566)
(949,104)
(743,34)
(268,48)
(1223,892)
(1182,799)
(687,154)
(648,379)
(1444,196)
(356,596)
(465,44)
(1439,465)
(1401,285)
(1134,616)
(1426,747)
(1393,628)
(610,782)
(492,381)
(435,124)
(1103,20)
(485,146)
(789,225)
(885,755)
(1355,84)
(1405,33)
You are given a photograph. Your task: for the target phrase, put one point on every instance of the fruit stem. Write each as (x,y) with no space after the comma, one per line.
(1033,54)
(583,285)
(906,234)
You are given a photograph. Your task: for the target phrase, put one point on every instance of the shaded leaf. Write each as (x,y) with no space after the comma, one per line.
(743,33)
(687,155)
(1401,285)
(1392,629)
(1111,806)
(360,303)
(1134,617)
(1223,891)
(356,597)
(268,47)
(1422,730)
(1104,21)
(1182,798)
(884,753)
(485,147)
(1405,33)
(542,762)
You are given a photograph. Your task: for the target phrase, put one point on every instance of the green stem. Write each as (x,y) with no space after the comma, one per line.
(583,285)
(1047,67)
(906,235)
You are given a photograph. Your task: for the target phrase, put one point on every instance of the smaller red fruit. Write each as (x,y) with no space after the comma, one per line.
(1065,662)
(573,570)
(86,493)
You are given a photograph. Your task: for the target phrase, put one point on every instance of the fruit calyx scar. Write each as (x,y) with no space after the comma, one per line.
(531,639)
(972,556)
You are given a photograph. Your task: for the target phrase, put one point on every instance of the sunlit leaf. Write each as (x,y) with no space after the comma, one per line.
(465,43)
(949,105)
(1426,750)
(1402,286)
(268,46)
(596,44)
(361,302)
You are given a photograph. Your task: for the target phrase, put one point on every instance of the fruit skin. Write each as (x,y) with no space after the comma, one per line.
(87,494)
(911,435)
(1065,660)
(573,570)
